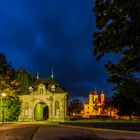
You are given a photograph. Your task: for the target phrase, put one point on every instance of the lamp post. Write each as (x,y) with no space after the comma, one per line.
(3,95)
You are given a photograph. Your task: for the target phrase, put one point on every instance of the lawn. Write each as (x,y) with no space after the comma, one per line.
(102,121)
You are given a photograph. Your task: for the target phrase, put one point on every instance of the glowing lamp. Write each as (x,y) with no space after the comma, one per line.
(3,94)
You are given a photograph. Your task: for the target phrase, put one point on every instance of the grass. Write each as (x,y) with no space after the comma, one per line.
(102,121)
(35,122)
(76,121)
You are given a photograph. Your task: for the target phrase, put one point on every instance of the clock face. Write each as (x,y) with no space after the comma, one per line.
(53,88)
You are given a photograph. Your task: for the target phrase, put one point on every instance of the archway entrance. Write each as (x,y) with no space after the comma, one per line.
(41,111)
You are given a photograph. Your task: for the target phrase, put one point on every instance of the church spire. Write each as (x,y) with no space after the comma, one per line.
(37,75)
(52,76)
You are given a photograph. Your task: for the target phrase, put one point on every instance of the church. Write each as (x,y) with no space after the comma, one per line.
(94,105)
(46,101)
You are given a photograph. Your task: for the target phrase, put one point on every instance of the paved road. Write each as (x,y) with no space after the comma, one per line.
(45,132)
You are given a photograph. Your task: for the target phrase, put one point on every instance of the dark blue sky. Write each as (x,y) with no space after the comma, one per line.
(39,34)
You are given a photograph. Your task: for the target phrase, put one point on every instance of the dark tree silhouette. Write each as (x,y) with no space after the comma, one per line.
(75,107)
(25,80)
(118,24)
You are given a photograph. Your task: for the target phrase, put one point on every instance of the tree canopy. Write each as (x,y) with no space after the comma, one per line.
(75,107)
(118,24)
(8,81)
(25,80)
(10,86)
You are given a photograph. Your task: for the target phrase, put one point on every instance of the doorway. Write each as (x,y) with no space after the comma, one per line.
(41,112)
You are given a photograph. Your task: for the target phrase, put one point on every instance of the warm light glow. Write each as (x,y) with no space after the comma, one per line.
(3,94)
(82,112)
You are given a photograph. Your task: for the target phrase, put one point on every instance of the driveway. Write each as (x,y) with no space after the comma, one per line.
(46,132)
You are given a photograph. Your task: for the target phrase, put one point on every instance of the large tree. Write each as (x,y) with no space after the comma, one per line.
(25,80)
(10,86)
(118,24)
(125,105)
(8,81)
(75,107)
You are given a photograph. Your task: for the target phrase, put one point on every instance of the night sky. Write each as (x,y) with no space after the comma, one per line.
(40,34)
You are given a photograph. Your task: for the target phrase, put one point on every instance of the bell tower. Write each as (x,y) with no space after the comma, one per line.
(102,97)
(95,95)
(90,98)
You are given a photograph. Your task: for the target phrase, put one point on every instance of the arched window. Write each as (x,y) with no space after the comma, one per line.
(57,108)
(41,90)
(26,105)
(56,104)
(26,111)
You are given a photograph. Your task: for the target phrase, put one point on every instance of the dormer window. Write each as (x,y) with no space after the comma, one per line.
(30,89)
(53,88)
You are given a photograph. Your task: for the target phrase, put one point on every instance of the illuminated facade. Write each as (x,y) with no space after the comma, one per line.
(94,105)
(46,100)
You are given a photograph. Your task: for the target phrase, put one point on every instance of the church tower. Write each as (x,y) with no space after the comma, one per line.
(102,97)
(90,98)
(95,95)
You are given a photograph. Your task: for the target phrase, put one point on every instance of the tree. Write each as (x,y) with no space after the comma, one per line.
(109,105)
(11,109)
(75,107)
(118,24)
(126,106)
(25,79)
(8,81)
(10,86)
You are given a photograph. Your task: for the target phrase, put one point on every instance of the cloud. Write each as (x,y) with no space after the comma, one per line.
(37,35)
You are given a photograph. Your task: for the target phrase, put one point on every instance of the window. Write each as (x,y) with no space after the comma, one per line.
(53,88)
(57,110)
(56,104)
(41,90)
(26,105)
(26,111)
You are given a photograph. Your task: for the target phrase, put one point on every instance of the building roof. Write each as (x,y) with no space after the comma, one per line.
(95,92)
(48,82)
(58,90)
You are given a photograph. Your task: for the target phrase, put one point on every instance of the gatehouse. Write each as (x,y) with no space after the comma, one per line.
(46,100)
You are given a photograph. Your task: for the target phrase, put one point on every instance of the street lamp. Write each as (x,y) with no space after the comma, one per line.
(3,95)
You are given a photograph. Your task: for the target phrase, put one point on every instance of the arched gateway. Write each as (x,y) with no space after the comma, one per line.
(46,100)
(41,111)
